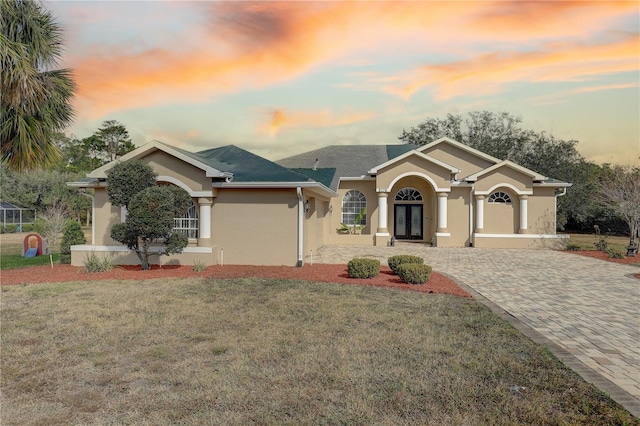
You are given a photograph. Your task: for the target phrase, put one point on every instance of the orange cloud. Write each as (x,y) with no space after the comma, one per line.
(251,45)
(488,73)
(279,119)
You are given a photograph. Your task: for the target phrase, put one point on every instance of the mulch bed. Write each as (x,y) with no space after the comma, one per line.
(319,273)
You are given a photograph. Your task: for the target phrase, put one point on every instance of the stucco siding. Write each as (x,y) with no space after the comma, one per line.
(459,158)
(502,218)
(458,217)
(542,211)
(106,215)
(415,165)
(256,227)
(165,165)
(504,175)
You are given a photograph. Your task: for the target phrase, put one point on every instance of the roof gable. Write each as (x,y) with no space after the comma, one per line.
(460,145)
(506,163)
(146,149)
(415,153)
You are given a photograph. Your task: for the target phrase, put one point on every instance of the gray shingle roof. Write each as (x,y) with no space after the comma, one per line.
(347,160)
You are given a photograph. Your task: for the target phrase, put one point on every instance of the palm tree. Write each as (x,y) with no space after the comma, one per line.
(35,98)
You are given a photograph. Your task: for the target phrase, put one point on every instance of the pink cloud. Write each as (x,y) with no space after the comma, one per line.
(280,119)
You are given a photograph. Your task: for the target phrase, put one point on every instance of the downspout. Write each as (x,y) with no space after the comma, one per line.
(555,208)
(300,226)
(471,212)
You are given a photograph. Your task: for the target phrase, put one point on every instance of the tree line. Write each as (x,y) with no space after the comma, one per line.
(46,188)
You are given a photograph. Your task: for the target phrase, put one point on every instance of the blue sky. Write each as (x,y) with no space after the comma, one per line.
(279,78)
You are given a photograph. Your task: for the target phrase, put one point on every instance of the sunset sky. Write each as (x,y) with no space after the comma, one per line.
(282,78)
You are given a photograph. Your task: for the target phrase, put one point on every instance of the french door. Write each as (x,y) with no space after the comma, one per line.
(408,221)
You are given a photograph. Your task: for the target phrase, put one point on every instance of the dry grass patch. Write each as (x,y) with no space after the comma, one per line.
(275,352)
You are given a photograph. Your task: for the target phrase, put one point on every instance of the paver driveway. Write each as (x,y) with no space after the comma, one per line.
(588,307)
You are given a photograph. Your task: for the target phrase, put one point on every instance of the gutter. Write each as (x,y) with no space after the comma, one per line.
(300,226)
(471,214)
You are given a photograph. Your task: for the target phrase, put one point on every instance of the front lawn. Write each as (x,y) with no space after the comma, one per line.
(267,351)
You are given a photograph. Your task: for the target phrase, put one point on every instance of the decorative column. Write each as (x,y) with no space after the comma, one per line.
(523,214)
(442,212)
(382,212)
(479,213)
(204,219)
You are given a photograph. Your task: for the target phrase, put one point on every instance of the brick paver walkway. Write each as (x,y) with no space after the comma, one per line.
(587,307)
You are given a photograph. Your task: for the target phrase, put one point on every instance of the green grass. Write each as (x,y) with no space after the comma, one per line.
(586,241)
(14,261)
(262,351)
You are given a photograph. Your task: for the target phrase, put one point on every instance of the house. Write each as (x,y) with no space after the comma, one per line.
(249,210)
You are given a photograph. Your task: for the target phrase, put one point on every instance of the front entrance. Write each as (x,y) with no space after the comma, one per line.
(408,222)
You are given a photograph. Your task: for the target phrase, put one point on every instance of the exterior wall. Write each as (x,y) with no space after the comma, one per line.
(542,211)
(120,255)
(256,226)
(457,219)
(316,222)
(165,165)
(459,158)
(502,176)
(412,165)
(106,215)
(502,218)
(521,241)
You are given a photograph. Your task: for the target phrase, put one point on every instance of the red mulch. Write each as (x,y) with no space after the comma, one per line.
(319,273)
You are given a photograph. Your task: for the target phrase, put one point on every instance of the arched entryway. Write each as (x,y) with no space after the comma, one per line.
(413,209)
(408,214)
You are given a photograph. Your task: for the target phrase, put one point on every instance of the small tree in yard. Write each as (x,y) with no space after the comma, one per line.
(151,210)
(54,222)
(620,192)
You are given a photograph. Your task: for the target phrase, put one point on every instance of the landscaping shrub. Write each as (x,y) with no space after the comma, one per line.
(95,263)
(414,273)
(199,266)
(395,261)
(363,268)
(614,253)
(27,227)
(72,235)
(9,229)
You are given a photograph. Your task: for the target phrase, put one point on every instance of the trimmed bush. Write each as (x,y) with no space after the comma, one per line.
(363,268)
(72,235)
(614,253)
(395,261)
(414,273)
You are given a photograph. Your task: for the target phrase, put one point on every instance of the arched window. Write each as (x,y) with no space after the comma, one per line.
(408,194)
(189,223)
(499,197)
(353,203)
